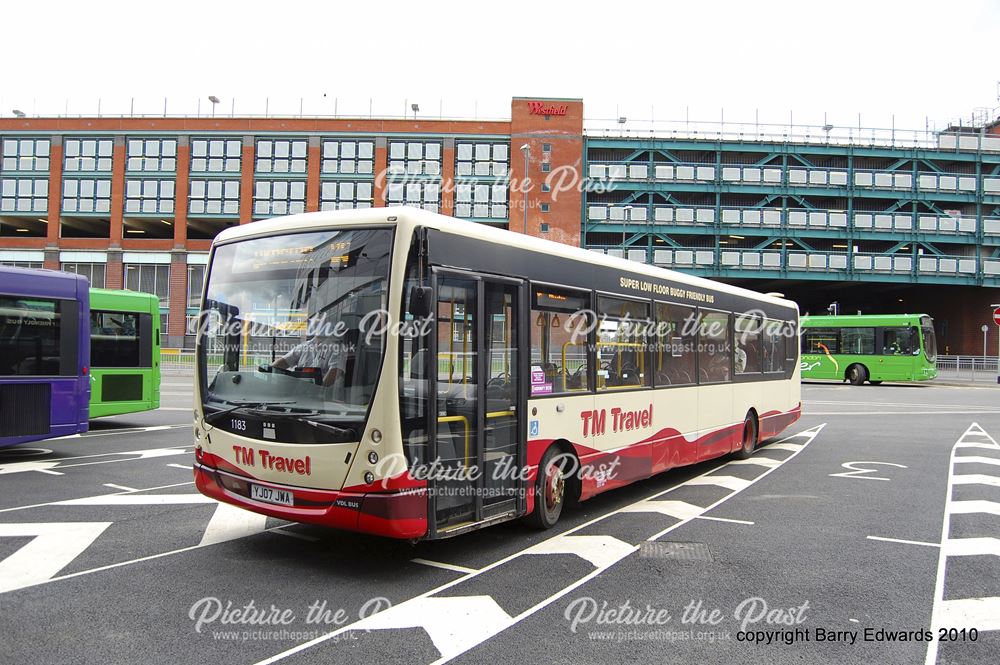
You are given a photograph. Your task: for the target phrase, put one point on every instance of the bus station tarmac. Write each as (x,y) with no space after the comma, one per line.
(864,533)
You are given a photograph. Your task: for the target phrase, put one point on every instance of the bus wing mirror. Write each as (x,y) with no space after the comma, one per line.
(420,301)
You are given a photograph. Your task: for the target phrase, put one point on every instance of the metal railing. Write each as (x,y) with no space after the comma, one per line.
(968,368)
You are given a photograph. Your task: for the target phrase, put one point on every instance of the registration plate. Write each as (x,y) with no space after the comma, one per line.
(271,495)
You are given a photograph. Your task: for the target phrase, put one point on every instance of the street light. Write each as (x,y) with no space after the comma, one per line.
(18,113)
(526,149)
(214,100)
(414,108)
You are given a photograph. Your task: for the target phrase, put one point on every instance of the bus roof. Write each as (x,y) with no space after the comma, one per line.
(41,282)
(416,216)
(860,320)
(124,301)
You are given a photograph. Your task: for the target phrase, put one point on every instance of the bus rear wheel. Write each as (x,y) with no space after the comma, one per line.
(857,375)
(749,438)
(550,491)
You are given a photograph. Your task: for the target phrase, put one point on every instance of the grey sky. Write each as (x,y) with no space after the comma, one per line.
(912,59)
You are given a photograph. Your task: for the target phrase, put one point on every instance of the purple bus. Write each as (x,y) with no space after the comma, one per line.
(44,354)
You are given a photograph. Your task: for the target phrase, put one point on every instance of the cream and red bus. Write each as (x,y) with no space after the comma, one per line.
(397,372)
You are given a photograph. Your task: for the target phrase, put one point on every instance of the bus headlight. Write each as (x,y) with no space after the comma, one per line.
(373,457)
(376,436)
(369,477)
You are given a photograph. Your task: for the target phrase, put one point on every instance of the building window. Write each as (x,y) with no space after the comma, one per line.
(88,155)
(23,264)
(281,156)
(149,196)
(28,195)
(214,197)
(483,201)
(149,278)
(545,207)
(151,155)
(481,159)
(426,195)
(546,147)
(24,154)
(344,194)
(415,157)
(348,156)
(546,167)
(546,187)
(544,227)
(95,272)
(86,195)
(216,155)
(279,197)
(195,283)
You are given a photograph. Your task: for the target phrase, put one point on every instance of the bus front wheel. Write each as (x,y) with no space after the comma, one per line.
(550,490)
(857,375)
(750,435)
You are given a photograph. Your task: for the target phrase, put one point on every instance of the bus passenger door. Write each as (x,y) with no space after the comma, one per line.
(477,388)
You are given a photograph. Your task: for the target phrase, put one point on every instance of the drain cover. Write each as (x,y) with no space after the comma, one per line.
(676,551)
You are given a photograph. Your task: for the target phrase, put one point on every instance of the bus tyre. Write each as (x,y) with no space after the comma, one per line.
(857,375)
(875,383)
(550,491)
(749,438)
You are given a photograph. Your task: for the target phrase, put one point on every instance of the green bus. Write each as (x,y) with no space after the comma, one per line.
(124,352)
(869,347)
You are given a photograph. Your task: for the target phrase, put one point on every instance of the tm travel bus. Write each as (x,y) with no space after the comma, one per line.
(124,352)
(44,354)
(401,373)
(869,347)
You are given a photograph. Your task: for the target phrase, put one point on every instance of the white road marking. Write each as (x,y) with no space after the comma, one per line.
(905,542)
(182,466)
(55,545)
(978,506)
(53,503)
(282,531)
(729,482)
(982,613)
(130,430)
(976,459)
(229,523)
(964,612)
(682,510)
(23,467)
(444,566)
(454,625)
(971,546)
(758,460)
(120,487)
(859,474)
(977,479)
(451,642)
(724,519)
(783,446)
(137,500)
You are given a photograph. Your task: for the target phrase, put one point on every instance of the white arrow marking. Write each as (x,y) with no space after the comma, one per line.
(55,545)
(602,551)
(729,482)
(455,625)
(22,467)
(682,510)
(229,523)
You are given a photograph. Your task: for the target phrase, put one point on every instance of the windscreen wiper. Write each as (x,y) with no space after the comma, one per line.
(212,417)
(346,433)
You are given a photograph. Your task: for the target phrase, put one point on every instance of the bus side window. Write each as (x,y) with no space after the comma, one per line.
(560,324)
(674,350)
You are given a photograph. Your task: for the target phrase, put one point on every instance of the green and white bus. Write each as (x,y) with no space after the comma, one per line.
(124,352)
(869,347)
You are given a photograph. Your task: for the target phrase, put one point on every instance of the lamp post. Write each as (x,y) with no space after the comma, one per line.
(414,108)
(215,101)
(18,113)
(526,149)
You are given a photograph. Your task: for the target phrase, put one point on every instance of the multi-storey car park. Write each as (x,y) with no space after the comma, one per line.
(893,224)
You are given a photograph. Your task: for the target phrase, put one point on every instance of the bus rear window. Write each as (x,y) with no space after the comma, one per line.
(30,331)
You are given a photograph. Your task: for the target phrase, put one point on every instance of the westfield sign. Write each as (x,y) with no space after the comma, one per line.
(539,108)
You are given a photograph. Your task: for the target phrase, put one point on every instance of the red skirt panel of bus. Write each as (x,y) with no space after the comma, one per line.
(400,514)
